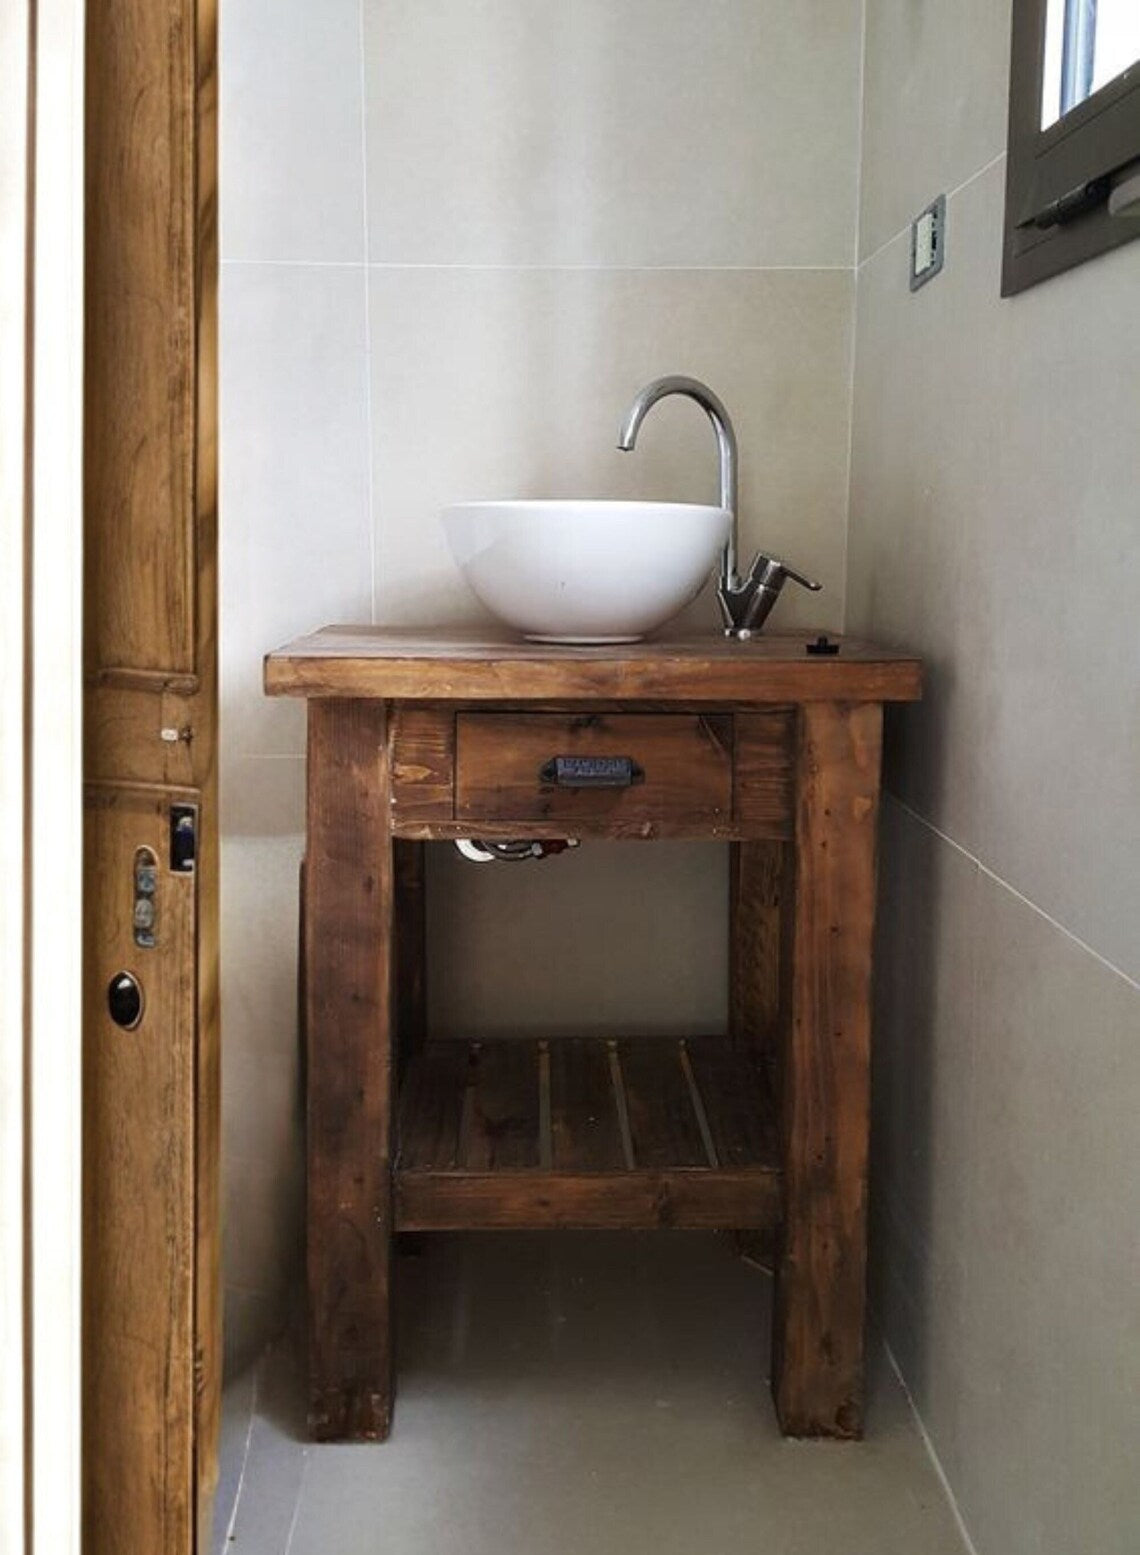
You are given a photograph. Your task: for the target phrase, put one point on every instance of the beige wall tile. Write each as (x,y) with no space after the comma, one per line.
(936,80)
(1051,1383)
(1005,1255)
(925,1076)
(259,939)
(492,383)
(262,796)
(296,547)
(613,132)
(251,1317)
(611,938)
(262,1211)
(994,529)
(261,1107)
(292,143)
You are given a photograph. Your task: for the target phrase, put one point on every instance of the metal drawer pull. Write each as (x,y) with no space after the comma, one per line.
(591,772)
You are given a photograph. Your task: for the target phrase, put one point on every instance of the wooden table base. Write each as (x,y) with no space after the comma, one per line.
(765,1128)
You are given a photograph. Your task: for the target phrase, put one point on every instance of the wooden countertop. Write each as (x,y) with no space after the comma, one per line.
(450,665)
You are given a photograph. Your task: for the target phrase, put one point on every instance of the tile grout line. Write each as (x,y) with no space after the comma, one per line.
(293,1521)
(370,430)
(231,1522)
(950,195)
(932,1454)
(525,269)
(862,99)
(991,874)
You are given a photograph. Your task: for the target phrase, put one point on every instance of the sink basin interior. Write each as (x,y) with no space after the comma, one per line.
(586,571)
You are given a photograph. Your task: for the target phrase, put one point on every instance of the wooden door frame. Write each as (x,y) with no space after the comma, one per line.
(41,402)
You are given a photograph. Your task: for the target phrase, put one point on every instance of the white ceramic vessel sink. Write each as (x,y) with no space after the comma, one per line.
(586,572)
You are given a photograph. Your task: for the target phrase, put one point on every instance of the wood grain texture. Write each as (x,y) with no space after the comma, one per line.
(599,827)
(140,404)
(349,1018)
(204,719)
(760,888)
(685,759)
(584,1118)
(501,1117)
(736,1092)
(139,1190)
(410,929)
(360,661)
(662,1124)
(421,742)
(677,1200)
(763,770)
(821,1274)
(432,1105)
(150,608)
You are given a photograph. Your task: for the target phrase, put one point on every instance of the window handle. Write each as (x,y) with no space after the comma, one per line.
(1067,207)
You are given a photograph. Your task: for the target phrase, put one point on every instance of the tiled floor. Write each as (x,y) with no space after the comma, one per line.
(576,1395)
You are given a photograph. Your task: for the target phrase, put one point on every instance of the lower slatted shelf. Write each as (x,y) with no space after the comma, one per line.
(587,1133)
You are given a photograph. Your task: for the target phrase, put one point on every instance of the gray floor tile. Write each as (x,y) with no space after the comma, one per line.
(595,1394)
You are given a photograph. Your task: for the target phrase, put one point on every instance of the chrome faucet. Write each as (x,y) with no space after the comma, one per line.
(745,603)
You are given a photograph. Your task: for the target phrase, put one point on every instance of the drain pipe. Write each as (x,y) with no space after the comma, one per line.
(513,852)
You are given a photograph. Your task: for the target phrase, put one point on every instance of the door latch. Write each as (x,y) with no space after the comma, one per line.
(183,838)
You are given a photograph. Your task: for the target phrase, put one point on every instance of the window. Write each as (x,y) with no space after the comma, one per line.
(1073,176)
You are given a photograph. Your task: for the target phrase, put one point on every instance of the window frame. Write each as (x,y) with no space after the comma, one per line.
(1079,152)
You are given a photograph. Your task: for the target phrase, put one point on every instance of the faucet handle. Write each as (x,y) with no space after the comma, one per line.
(746,607)
(798,577)
(770,572)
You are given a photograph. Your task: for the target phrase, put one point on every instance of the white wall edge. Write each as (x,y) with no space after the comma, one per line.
(56,776)
(14,84)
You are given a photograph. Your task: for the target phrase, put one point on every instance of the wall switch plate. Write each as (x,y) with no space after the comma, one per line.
(927,243)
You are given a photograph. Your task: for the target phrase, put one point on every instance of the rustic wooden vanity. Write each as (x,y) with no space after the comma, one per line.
(767,745)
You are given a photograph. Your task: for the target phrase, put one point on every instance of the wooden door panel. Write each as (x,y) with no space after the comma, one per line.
(141,549)
(138,1172)
(152,1340)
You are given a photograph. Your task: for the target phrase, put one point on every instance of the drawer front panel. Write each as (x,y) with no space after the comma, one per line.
(630,768)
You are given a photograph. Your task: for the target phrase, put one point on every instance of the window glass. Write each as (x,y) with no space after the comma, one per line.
(1087,44)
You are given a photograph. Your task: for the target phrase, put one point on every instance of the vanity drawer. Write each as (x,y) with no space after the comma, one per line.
(638,770)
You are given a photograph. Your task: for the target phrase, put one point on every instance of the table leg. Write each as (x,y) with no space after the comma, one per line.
(348,1016)
(411,941)
(757,889)
(821,1272)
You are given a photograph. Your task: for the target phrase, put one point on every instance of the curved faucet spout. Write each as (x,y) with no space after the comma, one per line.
(710,403)
(745,602)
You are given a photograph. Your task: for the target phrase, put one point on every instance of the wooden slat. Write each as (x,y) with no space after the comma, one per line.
(422,754)
(821,1274)
(477,666)
(764,771)
(431,1110)
(500,1124)
(736,1198)
(348,980)
(663,1125)
(737,1103)
(602,827)
(585,1127)
(686,760)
